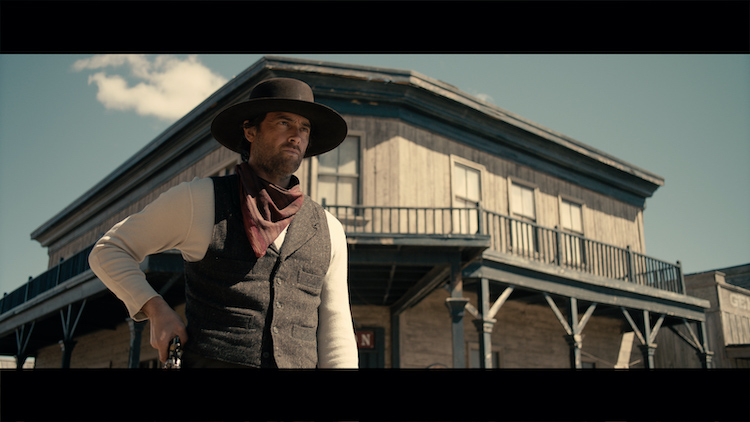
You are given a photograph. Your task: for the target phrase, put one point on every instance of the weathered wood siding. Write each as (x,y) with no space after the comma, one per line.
(406,166)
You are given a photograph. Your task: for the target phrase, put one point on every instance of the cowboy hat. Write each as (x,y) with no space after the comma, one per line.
(281,94)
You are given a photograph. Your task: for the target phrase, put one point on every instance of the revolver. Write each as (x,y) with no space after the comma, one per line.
(174,356)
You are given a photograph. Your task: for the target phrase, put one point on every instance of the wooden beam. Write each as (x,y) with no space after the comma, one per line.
(500,301)
(68,330)
(655,329)
(692,340)
(538,277)
(558,314)
(633,325)
(586,317)
(421,289)
(22,342)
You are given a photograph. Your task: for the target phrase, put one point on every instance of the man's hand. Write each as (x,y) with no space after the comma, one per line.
(165,325)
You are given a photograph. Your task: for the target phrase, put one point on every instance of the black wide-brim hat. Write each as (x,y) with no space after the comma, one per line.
(281,94)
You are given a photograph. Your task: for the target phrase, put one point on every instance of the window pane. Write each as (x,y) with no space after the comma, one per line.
(459,183)
(570,217)
(516,204)
(347,191)
(327,189)
(522,201)
(575,218)
(528,202)
(472,184)
(338,174)
(565,215)
(328,162)
(348,156)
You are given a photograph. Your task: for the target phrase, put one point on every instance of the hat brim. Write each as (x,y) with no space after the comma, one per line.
(328,127)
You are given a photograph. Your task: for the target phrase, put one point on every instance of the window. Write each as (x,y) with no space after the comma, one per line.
(523,208)
(571,220)
(571,216)
(338,174)
(467,193)
(522,203)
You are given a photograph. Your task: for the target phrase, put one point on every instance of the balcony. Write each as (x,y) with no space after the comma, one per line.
(506,235)
(413,240)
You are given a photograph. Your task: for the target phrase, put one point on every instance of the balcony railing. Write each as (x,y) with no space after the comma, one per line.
(65,270)
(507,235)
(569,250)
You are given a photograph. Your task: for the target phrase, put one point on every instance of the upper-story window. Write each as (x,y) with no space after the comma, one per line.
(571,216)
(466,186)
(523,207)
(339,174)
(522,202)
(467,193)
(571,220)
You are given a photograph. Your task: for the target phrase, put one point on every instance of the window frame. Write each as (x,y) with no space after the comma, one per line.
(315,172)
(530,233)
(469,224)
(576,257)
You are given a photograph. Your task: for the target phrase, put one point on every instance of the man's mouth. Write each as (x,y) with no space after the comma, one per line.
(292,150)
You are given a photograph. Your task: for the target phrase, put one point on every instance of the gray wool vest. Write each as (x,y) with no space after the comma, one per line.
(260,312)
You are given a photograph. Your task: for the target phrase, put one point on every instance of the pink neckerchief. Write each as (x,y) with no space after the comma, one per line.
(267,209)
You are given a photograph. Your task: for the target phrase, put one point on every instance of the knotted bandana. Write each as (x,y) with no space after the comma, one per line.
(267,209)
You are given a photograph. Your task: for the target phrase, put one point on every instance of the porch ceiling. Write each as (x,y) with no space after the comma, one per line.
(532,280)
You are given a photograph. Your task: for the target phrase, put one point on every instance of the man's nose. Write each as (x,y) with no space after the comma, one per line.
(297,134)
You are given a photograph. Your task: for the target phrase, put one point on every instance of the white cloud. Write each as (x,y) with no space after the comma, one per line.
(486,98)
(164,86)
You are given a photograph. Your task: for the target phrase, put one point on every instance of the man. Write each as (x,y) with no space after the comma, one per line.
(265,266)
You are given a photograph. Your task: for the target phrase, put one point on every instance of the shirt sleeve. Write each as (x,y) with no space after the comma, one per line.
(180,218)
(337,346)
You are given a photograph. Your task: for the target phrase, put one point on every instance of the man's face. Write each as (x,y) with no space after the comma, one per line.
(278,145)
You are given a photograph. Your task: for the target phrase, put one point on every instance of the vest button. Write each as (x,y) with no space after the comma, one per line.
(275,330)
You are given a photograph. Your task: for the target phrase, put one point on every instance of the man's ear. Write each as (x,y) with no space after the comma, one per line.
(250,133)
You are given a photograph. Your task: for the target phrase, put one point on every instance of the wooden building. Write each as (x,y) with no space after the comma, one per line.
(728,320)
(476,238)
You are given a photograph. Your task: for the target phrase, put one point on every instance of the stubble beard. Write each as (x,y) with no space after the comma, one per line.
(279,165)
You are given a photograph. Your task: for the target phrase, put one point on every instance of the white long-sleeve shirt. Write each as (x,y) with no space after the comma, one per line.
(183,218)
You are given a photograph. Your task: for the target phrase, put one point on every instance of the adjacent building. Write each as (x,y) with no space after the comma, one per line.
(476,238)
(728,319)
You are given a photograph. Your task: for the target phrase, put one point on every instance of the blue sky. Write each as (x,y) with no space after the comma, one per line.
(67,121)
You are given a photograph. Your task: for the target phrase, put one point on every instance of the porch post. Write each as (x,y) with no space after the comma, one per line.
(395,340)
(136,331)
(22,341)
(574,338)
(484,325)
(648,348)
(705,355)
(648,351)
(67,346)
(67,343)
(456,304)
